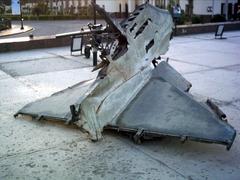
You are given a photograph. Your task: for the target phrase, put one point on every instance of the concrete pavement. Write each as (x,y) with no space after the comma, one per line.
(15,30)
(48,150)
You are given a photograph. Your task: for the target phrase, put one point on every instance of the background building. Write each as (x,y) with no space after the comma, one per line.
(228,8)
(207,8)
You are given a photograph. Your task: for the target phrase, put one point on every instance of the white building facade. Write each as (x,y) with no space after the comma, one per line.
(199,7)
(120,5)
(109,5)
(196,7)
(209,7)
(56,6)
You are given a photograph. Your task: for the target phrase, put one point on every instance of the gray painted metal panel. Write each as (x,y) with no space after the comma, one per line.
(57,106)
(162,108)
(166,72)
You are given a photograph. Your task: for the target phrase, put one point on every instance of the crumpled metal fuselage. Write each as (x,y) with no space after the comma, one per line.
(130,95)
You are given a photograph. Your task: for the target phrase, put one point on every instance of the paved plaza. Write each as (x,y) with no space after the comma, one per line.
(50,150)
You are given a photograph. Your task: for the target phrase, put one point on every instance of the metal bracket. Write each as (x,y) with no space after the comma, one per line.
(183,139)
(15,115)
(74,114)
(217,110)
(38,118)
(137,137)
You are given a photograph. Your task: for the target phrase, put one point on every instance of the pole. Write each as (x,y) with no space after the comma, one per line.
(213,4)
(20,4)
(94,43)
(226,9)
(94,13)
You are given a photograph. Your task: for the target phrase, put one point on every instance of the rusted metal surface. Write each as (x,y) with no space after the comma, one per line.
(132,95)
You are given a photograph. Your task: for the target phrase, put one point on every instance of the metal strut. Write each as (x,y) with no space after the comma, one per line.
(137,137)
(74,114)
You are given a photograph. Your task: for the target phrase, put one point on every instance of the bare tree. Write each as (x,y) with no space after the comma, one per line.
(190,3)
(79,3)
(86,2)
(67,6)
(62,8)
(51,6)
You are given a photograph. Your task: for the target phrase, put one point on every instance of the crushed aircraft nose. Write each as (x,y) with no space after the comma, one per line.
(130,95)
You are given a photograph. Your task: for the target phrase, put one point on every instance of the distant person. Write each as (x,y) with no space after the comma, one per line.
(238,12)
(176,11)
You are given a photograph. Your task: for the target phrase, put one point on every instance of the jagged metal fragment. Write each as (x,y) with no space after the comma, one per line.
(131,95)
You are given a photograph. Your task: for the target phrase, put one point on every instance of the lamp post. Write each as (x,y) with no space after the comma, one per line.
(94,43)
(21,15)
(94,12)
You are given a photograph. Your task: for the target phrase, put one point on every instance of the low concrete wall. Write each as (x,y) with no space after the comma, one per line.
(26,43)
(205,28)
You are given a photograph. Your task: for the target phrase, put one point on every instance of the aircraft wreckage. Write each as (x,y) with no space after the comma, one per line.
(133,96)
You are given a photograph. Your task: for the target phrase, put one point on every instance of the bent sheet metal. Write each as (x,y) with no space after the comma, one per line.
(130,95)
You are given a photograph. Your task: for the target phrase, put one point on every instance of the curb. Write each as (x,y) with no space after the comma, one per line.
(16,30)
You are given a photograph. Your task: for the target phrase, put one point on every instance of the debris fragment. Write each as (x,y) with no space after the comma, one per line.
(131,95)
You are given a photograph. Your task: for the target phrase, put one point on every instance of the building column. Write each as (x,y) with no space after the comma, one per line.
(164,4)
(154,2)
(131,5)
